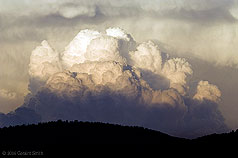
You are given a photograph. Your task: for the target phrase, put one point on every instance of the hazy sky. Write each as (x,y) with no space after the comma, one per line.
(203,32)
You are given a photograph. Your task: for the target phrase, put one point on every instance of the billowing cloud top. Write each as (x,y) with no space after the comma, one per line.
(100,59)
(44,61)
(208,91)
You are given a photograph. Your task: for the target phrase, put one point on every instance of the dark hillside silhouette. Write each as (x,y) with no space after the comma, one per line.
(223,139)
(70,134)
(73,133)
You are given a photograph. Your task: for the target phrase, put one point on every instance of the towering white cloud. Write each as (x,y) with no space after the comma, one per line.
(105,76)
(104,72)
(97,59)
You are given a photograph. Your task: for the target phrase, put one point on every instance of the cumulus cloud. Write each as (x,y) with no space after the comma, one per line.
(44,62)
(208,91)
(7,95)
(103,59)
(90,45)
(9,100)
(100,76)
(147,56)
(74,52)
(177,71)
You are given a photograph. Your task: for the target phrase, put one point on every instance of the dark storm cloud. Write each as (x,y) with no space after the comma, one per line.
(201,118)
(18,117)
